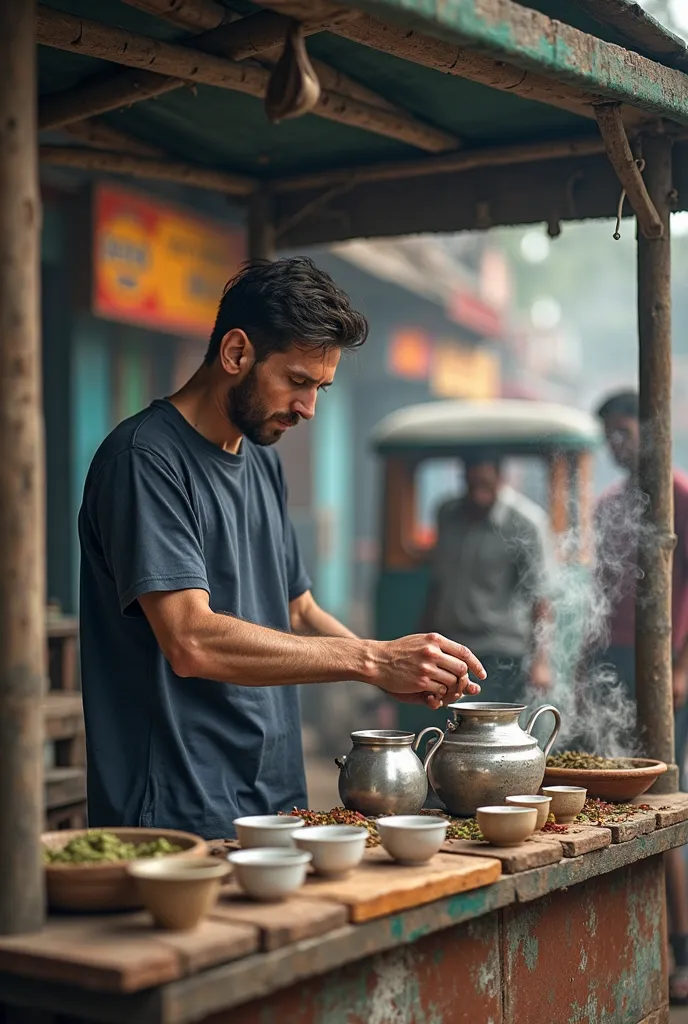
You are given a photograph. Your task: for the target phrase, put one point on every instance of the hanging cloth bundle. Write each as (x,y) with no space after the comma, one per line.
(293,89)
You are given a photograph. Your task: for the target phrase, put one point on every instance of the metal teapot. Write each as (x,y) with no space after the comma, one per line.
(485,755)
(382,775)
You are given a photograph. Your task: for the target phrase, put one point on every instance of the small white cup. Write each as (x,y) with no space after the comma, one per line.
(258,831)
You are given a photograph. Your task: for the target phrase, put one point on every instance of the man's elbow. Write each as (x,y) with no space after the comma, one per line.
(185,656)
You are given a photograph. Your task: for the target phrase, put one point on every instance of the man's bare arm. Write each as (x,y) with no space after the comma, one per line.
(309,619)
(199,642)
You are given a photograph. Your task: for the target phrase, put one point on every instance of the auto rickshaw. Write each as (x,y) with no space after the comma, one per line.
(553,447)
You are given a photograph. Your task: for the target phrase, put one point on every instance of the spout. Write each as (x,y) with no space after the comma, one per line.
(340,761)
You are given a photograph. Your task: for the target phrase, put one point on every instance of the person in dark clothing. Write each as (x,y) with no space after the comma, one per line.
(488,578)
(197,618)
(617,524)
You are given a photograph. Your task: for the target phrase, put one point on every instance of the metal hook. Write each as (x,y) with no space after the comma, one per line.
(640,164)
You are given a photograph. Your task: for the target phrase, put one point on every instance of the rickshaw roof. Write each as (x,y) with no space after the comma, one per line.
(509,426)
(495,103)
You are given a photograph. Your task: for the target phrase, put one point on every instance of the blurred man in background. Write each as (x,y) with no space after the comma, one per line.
(488,580)
(617,523)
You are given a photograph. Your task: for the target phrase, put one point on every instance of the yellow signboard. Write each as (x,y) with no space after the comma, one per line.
(157,266)
(462,372)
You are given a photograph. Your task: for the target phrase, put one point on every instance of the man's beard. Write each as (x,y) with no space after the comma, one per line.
(250,415)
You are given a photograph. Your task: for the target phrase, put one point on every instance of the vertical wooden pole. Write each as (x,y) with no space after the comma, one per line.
(22,559)
(559,493)
(656,540)
(261,227)
(585,503)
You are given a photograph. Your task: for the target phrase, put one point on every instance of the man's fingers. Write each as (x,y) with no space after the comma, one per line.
(454,666)
(441,674)
(461,653)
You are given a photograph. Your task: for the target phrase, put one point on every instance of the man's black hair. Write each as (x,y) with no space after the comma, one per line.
(283,303)
(621,403)
(482,457)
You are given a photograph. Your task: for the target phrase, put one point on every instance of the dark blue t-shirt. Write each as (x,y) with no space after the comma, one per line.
(165,509)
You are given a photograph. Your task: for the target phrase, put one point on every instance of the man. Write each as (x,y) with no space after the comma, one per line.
(617,523)
(487,579)
(197,618)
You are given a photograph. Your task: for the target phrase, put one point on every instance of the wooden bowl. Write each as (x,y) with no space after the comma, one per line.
(618,785)
(107,886)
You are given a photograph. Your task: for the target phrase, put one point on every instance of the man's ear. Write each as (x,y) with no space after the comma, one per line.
(236,354)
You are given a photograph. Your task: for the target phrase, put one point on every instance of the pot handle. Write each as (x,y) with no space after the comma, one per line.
(557,724)
(435,747)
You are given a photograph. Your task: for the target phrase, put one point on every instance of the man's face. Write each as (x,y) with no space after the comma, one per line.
(623,438)
(280,391)
(482,485)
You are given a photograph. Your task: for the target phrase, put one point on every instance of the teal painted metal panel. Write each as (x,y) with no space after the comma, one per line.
(91,409)
(333,489)
(529,39)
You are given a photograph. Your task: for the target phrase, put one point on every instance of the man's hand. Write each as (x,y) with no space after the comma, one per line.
(679,686)
(540,675)
(425,668)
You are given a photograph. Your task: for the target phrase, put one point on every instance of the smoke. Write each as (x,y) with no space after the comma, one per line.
(597,707)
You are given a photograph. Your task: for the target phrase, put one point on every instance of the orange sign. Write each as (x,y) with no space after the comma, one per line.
(459,372)
(409,355)
(158,266)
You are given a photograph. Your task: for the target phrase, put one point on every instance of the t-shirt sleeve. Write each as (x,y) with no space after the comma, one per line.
(297,577)
(146,528)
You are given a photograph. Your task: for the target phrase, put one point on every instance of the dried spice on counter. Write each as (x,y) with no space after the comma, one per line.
(340,816)
(601,812)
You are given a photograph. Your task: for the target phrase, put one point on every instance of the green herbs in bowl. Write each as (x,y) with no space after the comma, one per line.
(86,869)
(106,848)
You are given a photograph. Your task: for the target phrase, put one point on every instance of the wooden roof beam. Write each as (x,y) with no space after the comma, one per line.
(417,48)
(140,167)
(100,135)
(451,163)
(169,60)
(638,28)
(194,15)
(627,171)
(259,35)
(563,55)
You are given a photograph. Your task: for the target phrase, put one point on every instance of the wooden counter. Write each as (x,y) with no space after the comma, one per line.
(578,938)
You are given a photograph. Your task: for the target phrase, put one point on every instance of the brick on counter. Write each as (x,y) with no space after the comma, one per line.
(533,853)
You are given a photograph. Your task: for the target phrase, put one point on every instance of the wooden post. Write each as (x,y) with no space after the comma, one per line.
(656,539)
(261,226)
(22,559)
(559,493)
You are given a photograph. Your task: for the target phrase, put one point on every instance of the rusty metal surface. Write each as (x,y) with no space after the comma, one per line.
(590,955)
(453,976)
(216,994)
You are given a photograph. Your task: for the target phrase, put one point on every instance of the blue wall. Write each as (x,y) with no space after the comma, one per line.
(333,487)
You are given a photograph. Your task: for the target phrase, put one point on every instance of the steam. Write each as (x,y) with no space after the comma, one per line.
(598,713)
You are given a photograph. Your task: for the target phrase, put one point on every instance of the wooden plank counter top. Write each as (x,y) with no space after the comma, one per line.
(118,969)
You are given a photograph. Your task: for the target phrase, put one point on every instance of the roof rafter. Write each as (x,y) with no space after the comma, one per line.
(140,167)
(187,64)
(561,54)
(229,44)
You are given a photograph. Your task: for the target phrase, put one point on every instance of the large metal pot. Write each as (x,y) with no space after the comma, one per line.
(381,774)
(485,756)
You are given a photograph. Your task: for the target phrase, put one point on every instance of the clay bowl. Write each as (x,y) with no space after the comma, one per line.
(566,802)
(539,802)
(506,826)
(178,893)
(619,785)
(95,887)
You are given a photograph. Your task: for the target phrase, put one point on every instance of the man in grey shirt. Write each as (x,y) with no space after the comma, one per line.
(487,581)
